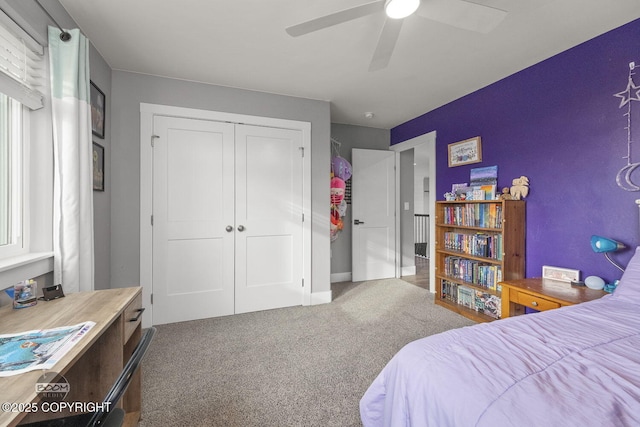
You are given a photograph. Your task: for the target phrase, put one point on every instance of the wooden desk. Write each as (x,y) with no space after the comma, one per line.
(542,294)
(93,364)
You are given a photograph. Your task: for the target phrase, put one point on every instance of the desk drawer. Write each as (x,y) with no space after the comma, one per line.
(132,317)
(533,301)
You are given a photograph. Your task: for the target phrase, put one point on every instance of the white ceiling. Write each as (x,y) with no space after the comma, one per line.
(243,44)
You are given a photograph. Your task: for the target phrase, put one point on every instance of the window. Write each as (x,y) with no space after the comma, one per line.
(22,80)
(11,178)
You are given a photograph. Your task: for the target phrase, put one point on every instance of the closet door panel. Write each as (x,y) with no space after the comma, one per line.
(269,211)
(193,204)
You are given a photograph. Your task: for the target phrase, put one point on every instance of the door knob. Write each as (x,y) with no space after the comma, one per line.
(229,228)
(357,221)
(241,228)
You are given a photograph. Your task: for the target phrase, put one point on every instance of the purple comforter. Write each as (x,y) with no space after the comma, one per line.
(574,366)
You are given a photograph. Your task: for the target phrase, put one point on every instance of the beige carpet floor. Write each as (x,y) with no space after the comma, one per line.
(298,366)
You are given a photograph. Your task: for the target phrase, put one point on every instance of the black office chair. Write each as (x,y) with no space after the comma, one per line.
(114,416)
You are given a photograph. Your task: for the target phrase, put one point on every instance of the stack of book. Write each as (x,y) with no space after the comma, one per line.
(483,215)
(488,304)
(480,244)
(482,302)
(475,272)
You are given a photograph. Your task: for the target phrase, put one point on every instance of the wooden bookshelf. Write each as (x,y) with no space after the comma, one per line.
(478,244)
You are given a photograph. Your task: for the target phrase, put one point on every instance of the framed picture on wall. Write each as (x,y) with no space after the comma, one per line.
(465,152)
(98,102)
(98,167)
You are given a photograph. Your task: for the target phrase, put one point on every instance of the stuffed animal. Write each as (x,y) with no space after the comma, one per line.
(505,194)
(337,190)
(520,188)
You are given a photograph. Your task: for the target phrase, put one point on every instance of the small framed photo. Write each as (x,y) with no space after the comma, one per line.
(98,102)
(465,152)
(561,274)
(98,167)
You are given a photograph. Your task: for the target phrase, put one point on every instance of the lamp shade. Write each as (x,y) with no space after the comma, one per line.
(602,244)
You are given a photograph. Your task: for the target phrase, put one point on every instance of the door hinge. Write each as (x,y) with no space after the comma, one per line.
(303,282)
(153,138)
(301,151)
(152,220)
(302,217)
(151,299)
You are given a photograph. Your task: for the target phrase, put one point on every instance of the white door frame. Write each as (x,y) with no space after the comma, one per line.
(429,139)
(147,113)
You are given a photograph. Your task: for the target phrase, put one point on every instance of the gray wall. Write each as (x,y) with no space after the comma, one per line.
(406,216)
(128,90)
(351,136)
(101,76)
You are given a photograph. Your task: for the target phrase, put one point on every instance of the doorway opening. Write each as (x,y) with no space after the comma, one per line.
(424,176)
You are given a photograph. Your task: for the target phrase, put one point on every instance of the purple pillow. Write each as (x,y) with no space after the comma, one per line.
(629,285)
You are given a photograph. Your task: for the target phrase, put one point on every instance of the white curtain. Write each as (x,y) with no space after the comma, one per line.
(73,185)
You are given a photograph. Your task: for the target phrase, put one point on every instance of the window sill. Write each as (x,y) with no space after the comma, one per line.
(28,266)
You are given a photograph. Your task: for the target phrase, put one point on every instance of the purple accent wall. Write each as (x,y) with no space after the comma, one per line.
(558,123)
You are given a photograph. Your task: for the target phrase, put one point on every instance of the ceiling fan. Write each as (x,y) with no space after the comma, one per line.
(458,13)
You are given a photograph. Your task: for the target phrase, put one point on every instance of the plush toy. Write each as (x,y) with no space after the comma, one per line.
(336,225)
(341,168)
(336,219)
(342,208)
(337,190)
(520,188)
(505,194)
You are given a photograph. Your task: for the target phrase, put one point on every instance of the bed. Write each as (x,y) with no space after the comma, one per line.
(573,366)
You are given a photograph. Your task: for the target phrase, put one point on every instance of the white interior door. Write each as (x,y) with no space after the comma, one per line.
(268,218)
(373,207)
(193,204)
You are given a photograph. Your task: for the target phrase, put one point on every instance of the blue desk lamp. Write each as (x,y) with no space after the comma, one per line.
(603,245)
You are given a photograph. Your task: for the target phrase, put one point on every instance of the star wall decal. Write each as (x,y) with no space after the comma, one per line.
(631,93)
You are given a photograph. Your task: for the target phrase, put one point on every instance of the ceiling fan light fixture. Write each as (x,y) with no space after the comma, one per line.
(398,9)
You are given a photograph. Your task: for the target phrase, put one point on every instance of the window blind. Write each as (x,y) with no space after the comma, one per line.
(22,64)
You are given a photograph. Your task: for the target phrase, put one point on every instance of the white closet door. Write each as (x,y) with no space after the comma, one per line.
(268,218)
(193,204)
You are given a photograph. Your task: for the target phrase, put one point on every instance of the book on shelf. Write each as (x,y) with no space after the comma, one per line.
(479,244)
(449,291)
(489,191)
(482,302)
(485,179)
(466,297)
(484,215)
(475,272)
(488,304)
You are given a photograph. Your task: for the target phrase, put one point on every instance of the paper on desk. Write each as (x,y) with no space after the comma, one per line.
(38,349)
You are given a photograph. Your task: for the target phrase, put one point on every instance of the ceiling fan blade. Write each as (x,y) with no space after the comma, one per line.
(386,43)
(336,18)
(462,14)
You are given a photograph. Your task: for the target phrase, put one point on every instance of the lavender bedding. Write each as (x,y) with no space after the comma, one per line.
(573,366)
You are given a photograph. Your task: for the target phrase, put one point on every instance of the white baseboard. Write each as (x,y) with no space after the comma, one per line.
(408,271)
(341,277)
(320,298)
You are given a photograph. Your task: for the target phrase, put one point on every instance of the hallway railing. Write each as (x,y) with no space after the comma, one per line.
(421,234)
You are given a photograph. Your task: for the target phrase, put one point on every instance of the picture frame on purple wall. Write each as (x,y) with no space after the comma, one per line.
(465,152)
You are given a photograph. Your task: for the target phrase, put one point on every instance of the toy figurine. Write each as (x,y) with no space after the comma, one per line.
(520,188)
(505,194)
